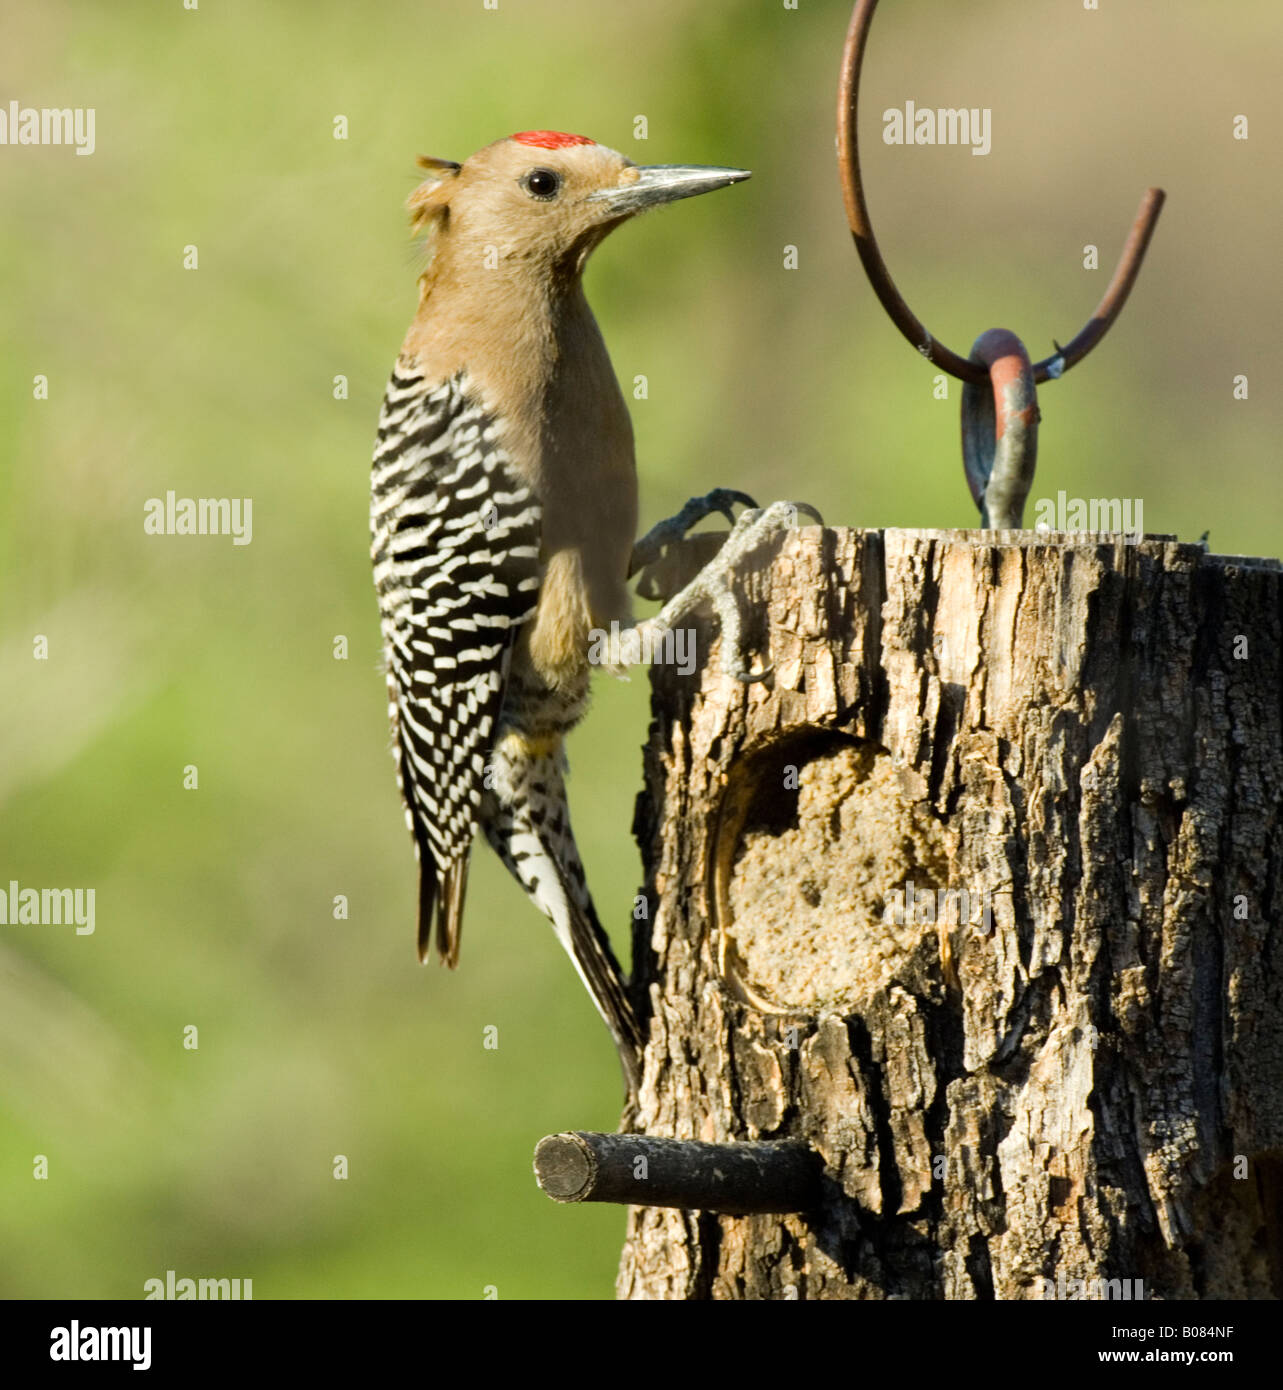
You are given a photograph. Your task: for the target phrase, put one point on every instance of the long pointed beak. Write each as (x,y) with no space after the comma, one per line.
(665,183)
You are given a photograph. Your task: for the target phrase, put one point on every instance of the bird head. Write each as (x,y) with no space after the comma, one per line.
(545,197)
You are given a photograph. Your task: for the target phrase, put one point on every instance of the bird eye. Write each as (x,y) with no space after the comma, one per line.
(542,183)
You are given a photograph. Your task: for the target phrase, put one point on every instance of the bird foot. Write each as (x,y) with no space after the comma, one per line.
(721,500)
(713,585)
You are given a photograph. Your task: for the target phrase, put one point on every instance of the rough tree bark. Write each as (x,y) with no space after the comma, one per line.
(1083,735)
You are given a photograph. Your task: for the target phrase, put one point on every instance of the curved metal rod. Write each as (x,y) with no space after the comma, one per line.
(1111,305)
(857,216)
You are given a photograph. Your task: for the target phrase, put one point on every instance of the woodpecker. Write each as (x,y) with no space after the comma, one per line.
(504,510)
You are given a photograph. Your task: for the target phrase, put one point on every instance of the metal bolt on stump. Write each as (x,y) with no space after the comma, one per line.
(999,398)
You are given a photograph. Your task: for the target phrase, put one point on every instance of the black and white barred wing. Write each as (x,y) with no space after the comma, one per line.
(455,544)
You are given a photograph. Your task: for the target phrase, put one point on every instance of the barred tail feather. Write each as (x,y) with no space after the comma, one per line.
(441,898)
(454,887)
(529,829)
(599,970)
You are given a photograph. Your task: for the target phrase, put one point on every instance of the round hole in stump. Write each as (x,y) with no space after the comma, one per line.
(812,910)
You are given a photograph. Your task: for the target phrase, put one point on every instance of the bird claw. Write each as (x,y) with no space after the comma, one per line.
(714,585)
(721,500)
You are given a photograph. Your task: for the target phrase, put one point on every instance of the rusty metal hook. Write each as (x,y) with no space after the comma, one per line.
(875,267)
(1000,429)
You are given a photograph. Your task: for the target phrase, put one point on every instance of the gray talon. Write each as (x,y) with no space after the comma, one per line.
(721,500)
(726,499)
(713,585)
(730,620)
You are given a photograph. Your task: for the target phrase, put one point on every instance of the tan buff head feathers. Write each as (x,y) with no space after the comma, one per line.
(546,197)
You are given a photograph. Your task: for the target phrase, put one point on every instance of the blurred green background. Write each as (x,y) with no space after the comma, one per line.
(215,127)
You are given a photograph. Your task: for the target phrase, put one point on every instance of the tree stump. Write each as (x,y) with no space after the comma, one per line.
(979,895)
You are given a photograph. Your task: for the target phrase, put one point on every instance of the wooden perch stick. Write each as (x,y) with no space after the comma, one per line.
(636,1170)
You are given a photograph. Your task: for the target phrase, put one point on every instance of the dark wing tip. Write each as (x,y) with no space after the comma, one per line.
(427,900)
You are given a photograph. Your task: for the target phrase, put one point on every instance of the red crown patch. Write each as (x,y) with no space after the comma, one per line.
(550,139)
